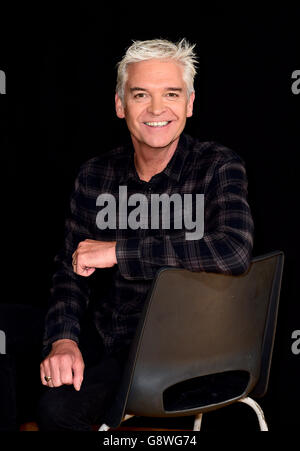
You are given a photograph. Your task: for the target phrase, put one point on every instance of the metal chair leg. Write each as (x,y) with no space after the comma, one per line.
(259,412)
(197,422)
(104,426)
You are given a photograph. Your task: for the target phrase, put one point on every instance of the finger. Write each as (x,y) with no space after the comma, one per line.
(74,257)
(85,271)
(78,369)
(74,261)
(80,266)
(42,374)
(66,374)
(55,372)
(74,265)
(46,372)
(88,271)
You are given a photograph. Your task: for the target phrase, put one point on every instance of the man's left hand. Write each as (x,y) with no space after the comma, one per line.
(92,254)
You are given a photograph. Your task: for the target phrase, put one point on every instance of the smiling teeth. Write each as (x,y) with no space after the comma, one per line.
(157,124)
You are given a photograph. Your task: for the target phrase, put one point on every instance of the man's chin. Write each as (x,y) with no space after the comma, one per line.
(159,143)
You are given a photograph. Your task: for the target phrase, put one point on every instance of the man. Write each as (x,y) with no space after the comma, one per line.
(155,95)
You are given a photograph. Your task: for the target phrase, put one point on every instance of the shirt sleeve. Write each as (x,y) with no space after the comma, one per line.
(69,294)
(227,242)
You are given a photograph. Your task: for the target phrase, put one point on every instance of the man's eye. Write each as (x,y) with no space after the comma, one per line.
(140,95)
(172,94)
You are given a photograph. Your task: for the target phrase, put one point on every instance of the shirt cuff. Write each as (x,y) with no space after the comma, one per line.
(67,332)
(128,253)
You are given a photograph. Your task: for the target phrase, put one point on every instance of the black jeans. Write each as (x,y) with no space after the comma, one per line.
(61,408)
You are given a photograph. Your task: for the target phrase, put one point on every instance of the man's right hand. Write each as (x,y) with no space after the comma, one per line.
(64,365)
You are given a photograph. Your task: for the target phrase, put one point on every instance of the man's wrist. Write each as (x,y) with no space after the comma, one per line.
(64,341)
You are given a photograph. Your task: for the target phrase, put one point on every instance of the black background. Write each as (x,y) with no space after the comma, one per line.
(59,111)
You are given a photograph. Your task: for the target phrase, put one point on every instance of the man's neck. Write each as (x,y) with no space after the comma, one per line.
(150,161)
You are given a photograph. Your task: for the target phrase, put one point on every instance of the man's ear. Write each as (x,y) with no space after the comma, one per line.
(189,110)
(119,107)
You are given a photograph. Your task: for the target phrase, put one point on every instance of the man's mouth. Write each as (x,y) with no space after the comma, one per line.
(157,124)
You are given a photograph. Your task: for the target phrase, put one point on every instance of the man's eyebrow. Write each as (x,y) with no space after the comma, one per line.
(136,88)
(173,89)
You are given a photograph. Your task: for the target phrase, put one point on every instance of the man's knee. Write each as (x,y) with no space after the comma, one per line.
(56,412)
(49,410)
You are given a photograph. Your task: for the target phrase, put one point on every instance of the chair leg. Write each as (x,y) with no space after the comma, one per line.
(197,422)
(259,412)
(127,417)
(104,426)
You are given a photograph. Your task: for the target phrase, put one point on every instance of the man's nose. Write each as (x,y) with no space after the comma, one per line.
(156,106)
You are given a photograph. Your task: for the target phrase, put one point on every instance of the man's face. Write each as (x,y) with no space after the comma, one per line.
(155,102)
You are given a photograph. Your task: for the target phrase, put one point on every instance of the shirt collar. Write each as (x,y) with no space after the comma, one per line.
(173,169)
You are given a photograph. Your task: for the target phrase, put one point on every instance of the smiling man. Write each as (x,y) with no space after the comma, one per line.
(88,332)
(155,105)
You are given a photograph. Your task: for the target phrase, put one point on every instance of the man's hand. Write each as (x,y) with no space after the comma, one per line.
(92,254)
(64,365)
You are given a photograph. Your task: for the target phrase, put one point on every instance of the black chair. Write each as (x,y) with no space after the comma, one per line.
(204,341)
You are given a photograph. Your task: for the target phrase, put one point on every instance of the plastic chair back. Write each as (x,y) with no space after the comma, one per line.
(204,340)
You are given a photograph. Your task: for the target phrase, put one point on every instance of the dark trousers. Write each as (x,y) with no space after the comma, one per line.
(61,408)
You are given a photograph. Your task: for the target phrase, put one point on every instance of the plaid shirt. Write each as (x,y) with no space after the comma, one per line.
(116,295)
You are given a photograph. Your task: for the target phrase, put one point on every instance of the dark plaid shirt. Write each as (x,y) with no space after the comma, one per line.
(116,295)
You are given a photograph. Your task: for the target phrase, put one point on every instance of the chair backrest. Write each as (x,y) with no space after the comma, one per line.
(261,386)
(201,333)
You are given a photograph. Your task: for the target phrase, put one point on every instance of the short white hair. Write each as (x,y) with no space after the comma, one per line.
(181,52)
